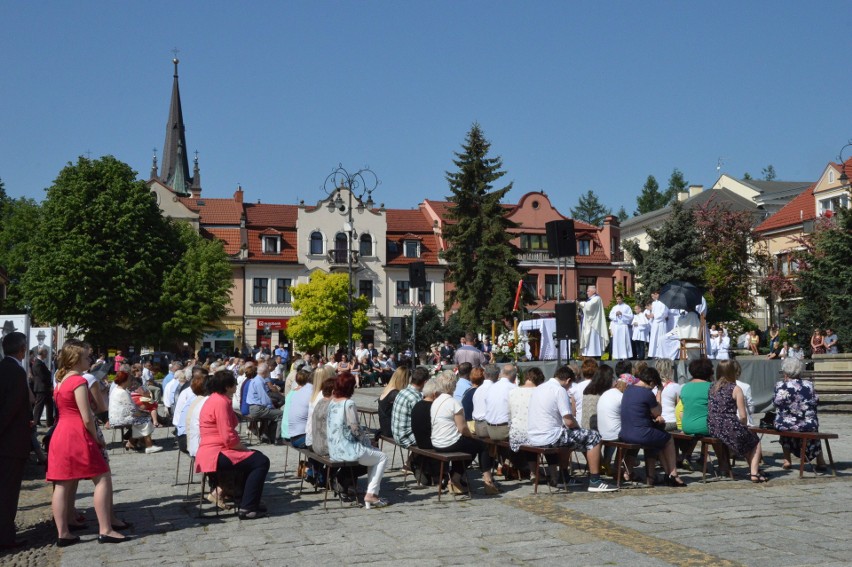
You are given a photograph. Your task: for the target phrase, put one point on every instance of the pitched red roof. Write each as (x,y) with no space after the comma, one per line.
(288,247)
(215,211)
(414,224)
(401,220)
(266,215)
(230,238)
(794,213)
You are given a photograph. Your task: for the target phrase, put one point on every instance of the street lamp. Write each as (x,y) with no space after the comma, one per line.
(844,178)
(359,185)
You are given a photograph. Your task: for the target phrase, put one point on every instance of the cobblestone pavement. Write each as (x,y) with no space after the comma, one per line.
(784,522)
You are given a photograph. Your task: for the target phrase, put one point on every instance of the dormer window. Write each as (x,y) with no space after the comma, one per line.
(412,249)
(584,247)
(316,243)
(271,244)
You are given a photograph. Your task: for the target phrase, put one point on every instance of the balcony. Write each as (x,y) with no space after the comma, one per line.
(541,257)
(271,310)
(339,257)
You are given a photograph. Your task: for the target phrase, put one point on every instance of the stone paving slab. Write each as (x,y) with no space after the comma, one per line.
(785,522)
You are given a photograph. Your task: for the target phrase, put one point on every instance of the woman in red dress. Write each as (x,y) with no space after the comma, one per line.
(76,448)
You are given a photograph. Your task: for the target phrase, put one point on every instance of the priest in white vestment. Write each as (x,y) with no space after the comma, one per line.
(621,317)
(595,335)
(659,316)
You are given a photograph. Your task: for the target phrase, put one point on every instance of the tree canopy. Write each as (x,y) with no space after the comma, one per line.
(650,199)
(674,253)
(103,260)
(589,209)
(323,314)
(482,262)
(677,184)
(17,219)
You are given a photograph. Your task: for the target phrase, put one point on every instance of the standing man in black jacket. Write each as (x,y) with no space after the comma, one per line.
(42,387)
(15,416)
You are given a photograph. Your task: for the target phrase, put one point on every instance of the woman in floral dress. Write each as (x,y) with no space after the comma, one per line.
(795,403)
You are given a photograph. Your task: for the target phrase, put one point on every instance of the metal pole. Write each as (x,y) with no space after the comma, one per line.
(414,359)
(349,349)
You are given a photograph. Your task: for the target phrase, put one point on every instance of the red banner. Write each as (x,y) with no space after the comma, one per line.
(273,324)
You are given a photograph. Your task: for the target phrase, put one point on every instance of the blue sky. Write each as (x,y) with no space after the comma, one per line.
(573,95)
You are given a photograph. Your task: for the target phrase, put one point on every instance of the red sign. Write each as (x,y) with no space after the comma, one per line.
(272,324)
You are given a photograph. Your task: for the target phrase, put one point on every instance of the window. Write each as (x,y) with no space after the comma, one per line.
(366,245)
(260,290)
(831,176)
(412,249)
(584,282)
(787,264)
(365,289)
(393,248)
(551,286)
(531,284)
(271,244)
(533,242)
(316,242)
(402,295)
(282,294)
(341,245)
(584,247)
(833,204)
(424,294)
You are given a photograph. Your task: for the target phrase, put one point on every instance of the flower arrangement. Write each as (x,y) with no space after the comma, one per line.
(510,347)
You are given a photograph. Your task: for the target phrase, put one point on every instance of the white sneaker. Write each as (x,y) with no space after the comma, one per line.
(602,487)
(153,449)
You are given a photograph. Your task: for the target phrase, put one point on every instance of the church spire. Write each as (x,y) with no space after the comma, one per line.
(154,166)
(175,167)
(195,189)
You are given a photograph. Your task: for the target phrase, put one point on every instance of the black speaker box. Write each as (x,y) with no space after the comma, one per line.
(561,241)
(417,274)
(396,328)
(566,321)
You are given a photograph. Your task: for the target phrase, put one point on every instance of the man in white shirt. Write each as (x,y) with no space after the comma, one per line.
(478,413)
(621,317)
(148,382)
(169,393)
(497,403)
(550,424)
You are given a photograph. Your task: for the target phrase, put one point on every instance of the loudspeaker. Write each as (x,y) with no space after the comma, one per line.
(417,274)
(561,241)
(566,321)
(396,328)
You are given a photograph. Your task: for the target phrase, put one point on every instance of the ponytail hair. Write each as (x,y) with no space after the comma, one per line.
(69,357)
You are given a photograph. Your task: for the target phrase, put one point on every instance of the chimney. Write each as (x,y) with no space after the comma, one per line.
(682,196)
(611,220)
(238,194)
(695,190)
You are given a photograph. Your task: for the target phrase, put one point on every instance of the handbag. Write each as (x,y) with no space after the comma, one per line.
(768,420)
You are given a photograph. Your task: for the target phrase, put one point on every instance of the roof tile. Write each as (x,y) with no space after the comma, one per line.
(792,214)
(215,211)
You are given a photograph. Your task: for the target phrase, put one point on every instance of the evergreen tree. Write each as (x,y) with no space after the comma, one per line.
(622,214)
(589,209)
(747,176)
(769,173)
(677,184)
(674,253)
(482,263)
(650,199)
(825,280)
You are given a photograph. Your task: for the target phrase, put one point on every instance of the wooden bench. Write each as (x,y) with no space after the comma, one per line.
(706,442)
(331,466)
(805,436)
(442,458)
(540,452)
(396,447)
(620,448)
(368,415)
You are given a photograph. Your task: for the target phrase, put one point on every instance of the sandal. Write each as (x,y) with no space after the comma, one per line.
(757,478)
(675,481)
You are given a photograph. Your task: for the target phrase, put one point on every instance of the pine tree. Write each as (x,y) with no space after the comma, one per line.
(482,263)
(769,173)
(674,253)
(677,184)
(589,209)
(622,214)
(747,176)
(650,199)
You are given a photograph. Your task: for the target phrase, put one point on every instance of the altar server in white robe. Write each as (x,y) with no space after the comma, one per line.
(621,317)
(659,316)
(595,335)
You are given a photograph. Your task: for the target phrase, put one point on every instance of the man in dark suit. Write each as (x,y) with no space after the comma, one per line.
(15,415)
(42,387)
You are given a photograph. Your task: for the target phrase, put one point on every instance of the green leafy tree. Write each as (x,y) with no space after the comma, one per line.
(747,176)
(650,199)
(674,253)
(677,184)
(589,209)
(323,314)
(100,250)
(622,214)
(482,262)
(825,280)
(196,288)
(768,173)
(18,217)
